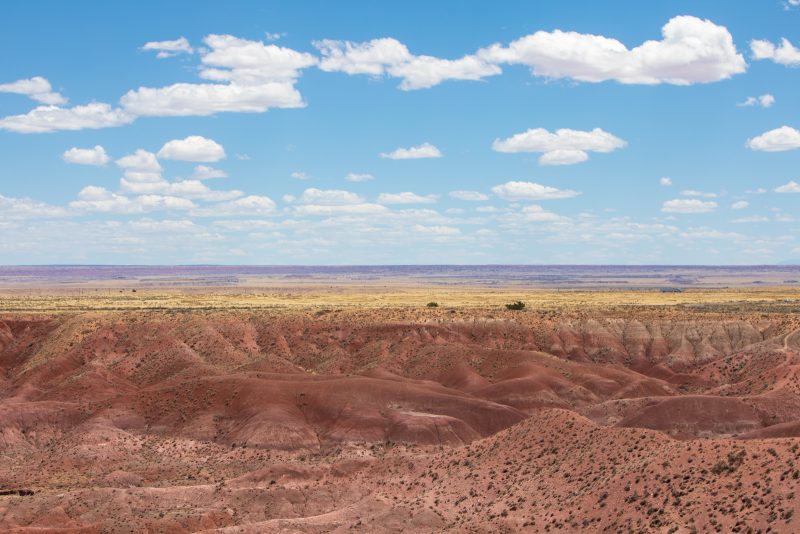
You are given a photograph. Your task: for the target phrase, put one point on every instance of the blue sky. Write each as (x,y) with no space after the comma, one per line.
(414,132)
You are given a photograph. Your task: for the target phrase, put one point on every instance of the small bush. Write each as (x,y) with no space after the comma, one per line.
(734,461)
(432,304)
(518,305)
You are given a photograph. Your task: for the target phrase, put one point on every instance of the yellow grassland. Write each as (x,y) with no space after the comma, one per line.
(785,299)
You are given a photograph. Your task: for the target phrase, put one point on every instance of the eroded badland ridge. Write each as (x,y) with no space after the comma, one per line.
(606,411)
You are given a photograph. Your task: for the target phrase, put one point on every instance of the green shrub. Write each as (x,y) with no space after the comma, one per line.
(518,305)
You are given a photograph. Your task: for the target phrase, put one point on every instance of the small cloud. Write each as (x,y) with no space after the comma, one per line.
(330,197)
(425,150)
(765,101)
(204,172)
(167,49)
(777,140)
(52,118)
(270,36)
(784,54)
(192,148)
(665,181)
(249,205)
(435,230)
(140,161)
(363,208)
(298,175)
(740,205)
(37,88)
(683,205)
(87,156)
(695,193)
(751,219)
(536,213)
(470,196)
(514,191)
(791,187)
(708,233)
(562,147)
(406,197)
(242,157)
(563,157)
(359,177)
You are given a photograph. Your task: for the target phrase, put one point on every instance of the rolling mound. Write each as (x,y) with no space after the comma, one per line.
(397,420)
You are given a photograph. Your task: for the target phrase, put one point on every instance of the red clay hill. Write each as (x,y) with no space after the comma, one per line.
(399,421)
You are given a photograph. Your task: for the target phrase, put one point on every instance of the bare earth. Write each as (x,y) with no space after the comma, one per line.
(342,408)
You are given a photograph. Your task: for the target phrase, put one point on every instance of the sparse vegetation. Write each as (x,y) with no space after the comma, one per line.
(432,305)
(731,464)
(516,305)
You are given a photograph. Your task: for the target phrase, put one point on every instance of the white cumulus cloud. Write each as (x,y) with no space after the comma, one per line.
(751,219)
(192,148)
(140,161)
(86,156)
(406,197)
(363,208)
(196,189)
(791,187)
(740,205)
(142,173)
(437,230)
(665,181)
(515,191)
(777,140)
(695,193)
(783,54)
(358,177)
(471,196)
(248,76)
(425,150)
(25,208)
(169,48)
(684,205)
(765,101)
(52,118)
(536,213)
(200,99)
(387,56)
(249,205)
(37,88)
(99,199)
(562,147)
(691,50)
(204,172)
(330,197)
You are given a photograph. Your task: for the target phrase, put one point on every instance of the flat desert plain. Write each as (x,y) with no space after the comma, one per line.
(156,403)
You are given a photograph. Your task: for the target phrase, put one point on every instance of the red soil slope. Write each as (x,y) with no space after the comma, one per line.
(381,421)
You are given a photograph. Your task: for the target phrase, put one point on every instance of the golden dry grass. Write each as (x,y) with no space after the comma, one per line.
(394,296)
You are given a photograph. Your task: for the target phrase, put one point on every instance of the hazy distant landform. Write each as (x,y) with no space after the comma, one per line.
(502,276)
